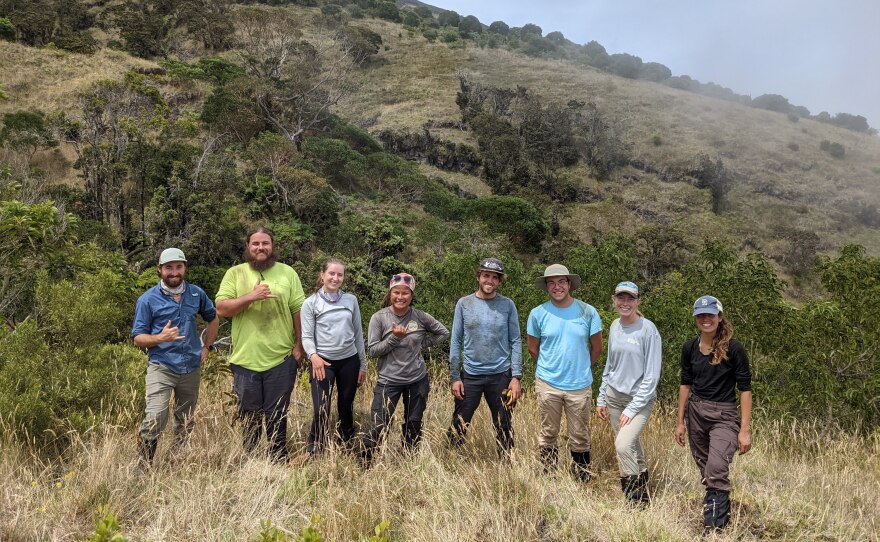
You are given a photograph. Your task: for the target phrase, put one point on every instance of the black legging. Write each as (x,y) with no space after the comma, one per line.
(341,374)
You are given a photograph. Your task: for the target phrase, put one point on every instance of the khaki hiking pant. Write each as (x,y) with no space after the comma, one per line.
(630,454)
(576,404)
(161,381)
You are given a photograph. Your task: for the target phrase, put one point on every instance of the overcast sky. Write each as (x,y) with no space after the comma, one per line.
(824,55)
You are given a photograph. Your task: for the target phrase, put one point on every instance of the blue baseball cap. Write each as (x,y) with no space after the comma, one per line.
(627,287)
(707,305)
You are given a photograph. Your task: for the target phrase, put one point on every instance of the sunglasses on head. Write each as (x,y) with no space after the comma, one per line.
(406,279)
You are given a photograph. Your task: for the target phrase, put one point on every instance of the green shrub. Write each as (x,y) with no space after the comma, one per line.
(657,140)
(834,149)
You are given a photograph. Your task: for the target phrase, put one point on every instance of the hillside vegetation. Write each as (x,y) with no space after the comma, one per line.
(404,139)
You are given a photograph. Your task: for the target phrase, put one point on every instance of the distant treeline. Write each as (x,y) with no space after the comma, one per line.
(155,28)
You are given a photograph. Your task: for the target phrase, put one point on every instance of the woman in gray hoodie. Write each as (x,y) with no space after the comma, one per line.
(396,336)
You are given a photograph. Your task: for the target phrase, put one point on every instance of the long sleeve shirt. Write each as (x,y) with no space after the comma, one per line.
(333,330)
(400,358)
(633,364)
(485,337)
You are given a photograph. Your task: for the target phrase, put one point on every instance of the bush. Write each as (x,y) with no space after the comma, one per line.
(834,149)
(56,373)
(7,29)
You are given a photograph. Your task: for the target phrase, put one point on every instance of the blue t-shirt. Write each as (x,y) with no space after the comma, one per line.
(564,352)
(153,311)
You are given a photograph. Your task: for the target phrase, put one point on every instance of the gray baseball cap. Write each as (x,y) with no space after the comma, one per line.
(171,255)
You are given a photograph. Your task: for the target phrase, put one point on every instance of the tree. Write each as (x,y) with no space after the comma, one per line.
(297,81)
(144,25)
(208,20)
(449,18)
(556,37)
(7,29)
(711,174)
(469,25)
(530,29)
(772,102)
(26,132)
(654,71)
(626,65)
(113,116)
(499,27)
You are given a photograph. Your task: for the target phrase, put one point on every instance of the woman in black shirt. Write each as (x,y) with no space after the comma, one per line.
(713,365)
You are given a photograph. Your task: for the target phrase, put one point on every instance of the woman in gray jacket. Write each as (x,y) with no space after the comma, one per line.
(396,336)
(629,387)
(333,340)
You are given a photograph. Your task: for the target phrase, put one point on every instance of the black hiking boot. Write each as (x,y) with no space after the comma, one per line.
(580,464)
(549,456)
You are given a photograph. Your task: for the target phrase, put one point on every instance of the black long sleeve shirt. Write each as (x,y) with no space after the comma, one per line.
(715,382)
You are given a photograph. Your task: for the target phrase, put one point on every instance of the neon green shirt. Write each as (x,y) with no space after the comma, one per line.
(262,334)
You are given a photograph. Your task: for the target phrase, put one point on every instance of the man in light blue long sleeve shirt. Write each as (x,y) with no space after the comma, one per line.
(486,340)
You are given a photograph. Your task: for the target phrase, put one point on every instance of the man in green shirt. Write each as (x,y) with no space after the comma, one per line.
(263,297)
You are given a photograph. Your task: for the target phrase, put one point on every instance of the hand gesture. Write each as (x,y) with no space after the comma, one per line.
(261,291)
(399,331)
(169,334)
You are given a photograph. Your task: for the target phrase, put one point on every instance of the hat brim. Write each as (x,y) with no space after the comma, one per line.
(706,310)
(574,280)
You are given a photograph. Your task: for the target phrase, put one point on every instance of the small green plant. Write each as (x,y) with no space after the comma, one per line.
(106,527)
(379,533)
(270,533)
(657,140)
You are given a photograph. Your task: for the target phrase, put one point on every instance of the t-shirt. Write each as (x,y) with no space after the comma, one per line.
(262,334)
(715,382)
(564,352)
(333,330)
(400,359)
(633,363)
(154,309)
(485,333)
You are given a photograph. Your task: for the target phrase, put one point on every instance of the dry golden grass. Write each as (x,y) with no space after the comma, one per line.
(798,483)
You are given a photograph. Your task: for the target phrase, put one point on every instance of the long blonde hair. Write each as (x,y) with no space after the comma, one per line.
(721,340)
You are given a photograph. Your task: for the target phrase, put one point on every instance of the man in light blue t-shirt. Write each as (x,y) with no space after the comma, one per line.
(564,336)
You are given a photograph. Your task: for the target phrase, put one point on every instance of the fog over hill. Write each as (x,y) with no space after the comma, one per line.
(820,55)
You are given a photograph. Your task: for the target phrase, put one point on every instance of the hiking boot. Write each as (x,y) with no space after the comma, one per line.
(549,456)
(147,451)
(716,509)
(580,463)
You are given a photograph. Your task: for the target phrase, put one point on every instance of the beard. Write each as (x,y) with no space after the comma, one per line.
(260,265)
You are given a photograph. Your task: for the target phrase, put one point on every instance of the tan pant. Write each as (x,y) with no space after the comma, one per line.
(160,383)
(577,405)
(630,454)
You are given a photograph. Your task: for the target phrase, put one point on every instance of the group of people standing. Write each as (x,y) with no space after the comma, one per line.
(275,328)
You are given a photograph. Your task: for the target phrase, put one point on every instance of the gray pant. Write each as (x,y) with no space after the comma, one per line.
(630,454)
(161,381)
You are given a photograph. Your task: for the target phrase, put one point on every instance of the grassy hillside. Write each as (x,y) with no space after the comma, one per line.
(796,484)
(775,186)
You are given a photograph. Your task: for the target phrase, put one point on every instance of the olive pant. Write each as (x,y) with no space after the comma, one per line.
(161,381)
